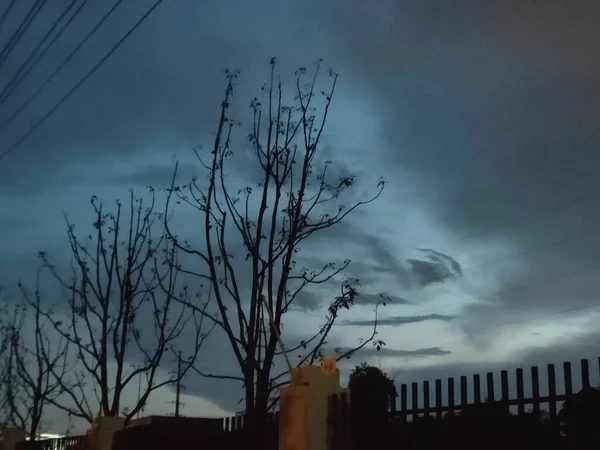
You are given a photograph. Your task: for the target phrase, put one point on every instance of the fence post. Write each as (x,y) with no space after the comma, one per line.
(304,408)
(11,437)
(100,436)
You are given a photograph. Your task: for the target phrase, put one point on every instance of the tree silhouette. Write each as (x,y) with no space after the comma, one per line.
(371,392)
(296,198)
(371,388)
(579,418)
(34,363)
(118,314)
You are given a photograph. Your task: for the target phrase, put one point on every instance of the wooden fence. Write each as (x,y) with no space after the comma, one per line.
(64,443)
(238,434)
(418,416)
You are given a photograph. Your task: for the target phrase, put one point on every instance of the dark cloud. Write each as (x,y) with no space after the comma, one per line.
(437,268)
(379,249)
(380,298)
(494,113)
(399,320)
(491,108)
(418,353)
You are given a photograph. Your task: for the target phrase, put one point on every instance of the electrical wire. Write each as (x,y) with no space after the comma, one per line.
(6,12)
(18,77)
(21,30)
(15,34)
(137,3)
(58,69)
(81,81)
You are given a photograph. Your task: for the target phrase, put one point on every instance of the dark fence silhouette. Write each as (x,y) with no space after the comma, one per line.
(230,433)
(65,443)
(472,418)
(452,404)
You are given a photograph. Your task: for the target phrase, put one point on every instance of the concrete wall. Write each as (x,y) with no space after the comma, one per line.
(11,437)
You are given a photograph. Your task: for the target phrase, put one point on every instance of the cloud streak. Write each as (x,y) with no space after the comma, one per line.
(418,353)
(399,320)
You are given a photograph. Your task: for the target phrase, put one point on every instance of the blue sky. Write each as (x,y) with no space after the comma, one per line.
(482,116)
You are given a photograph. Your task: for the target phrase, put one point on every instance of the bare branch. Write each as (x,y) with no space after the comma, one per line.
(292,202)
(122,276)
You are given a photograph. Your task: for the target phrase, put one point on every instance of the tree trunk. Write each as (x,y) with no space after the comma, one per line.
(249,389)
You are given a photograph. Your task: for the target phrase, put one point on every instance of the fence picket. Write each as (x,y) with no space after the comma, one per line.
(415,401)
(438,399)
(451,396)
(535,387)
(504,385)
(520,392)
(585,374)
(464,399)
(568,379)
(477,388)
(490,387)
(426,403)
(403,401)
(552,390)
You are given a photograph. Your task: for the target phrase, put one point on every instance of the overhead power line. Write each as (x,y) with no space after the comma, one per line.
(6,13)
(24,70)
(21,30)
(59,68)
(81,81)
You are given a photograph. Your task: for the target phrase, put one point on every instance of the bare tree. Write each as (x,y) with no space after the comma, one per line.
(297,198)
(119,323)
(6,372)
(34,363)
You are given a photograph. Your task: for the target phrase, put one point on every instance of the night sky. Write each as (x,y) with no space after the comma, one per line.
(482,117)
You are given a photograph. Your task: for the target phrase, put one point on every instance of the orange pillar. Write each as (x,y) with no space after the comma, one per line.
(304,408)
